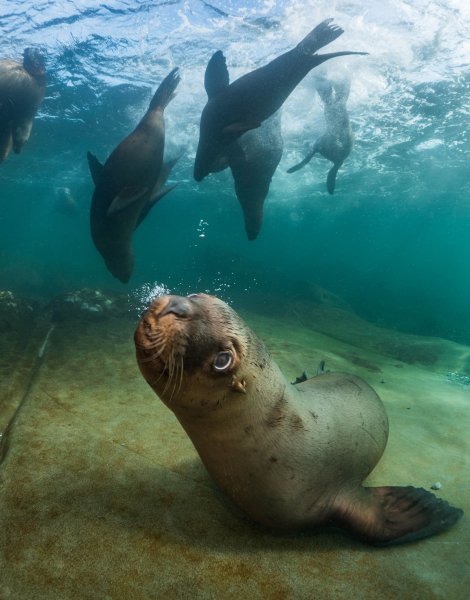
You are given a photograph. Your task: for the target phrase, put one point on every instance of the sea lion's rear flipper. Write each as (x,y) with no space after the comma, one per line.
(393,515)
(323,34)
(6,141)
(216,77)
(166,90)
(96,168)
(320,36)
(331,179)
(126,197)
(302,163)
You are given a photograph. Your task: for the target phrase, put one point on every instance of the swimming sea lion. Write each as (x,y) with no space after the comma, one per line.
(129,184)
(253,159)
(22,88)
(244,104)
(336,143)
(290,456)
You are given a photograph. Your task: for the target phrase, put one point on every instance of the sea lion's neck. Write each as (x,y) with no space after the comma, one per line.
(228,418)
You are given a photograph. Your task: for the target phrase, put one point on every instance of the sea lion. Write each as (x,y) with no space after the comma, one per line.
(22,88)
(232,109)
(291,456)
(130,183)
(336,143)
(253,159)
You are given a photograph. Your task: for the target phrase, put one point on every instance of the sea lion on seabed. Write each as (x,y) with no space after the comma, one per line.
(336,143)
(244,104)
(290,456)
(22,88)
(130,183)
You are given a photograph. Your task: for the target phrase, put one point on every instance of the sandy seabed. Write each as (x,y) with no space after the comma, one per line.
(103,496)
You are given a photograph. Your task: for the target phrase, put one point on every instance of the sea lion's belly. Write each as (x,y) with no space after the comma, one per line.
(284,463)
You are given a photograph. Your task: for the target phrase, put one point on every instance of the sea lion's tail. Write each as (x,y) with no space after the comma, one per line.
(323,34)
(166,90)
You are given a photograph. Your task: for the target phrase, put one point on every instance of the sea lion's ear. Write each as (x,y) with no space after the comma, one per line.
(239,385)
(125,198)
(216,78)
(96,168)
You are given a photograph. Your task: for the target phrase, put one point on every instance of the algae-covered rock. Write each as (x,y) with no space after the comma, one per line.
(88,304)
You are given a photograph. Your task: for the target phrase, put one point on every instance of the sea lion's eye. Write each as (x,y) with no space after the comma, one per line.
(223,361)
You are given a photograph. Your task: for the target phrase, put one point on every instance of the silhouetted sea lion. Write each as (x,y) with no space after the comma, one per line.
(22,88)
(336,143)
(253,159)
(244,104)
(290,456)
(130,183)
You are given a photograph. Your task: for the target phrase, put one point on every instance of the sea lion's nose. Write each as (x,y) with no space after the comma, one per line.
(177,305)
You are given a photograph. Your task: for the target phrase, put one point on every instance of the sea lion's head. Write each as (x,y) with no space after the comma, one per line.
(209,157)
(211,153)
(34,62)
(192,351)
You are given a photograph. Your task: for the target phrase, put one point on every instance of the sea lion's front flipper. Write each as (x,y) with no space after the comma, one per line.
(158,195)
(125,198)
(162,192)
(394,515)
(216,77)
(240,127)
(96,168)
(331,179)
(302,163)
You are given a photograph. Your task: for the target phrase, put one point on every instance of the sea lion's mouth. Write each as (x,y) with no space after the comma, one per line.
(161,334)
(161,342)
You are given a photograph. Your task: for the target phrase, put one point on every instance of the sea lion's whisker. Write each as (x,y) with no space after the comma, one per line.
(181,374)
(170,374)
(155,345)
(176,379)
(154,356)
(155,335)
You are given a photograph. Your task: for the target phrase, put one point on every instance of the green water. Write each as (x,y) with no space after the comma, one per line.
(393,241)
